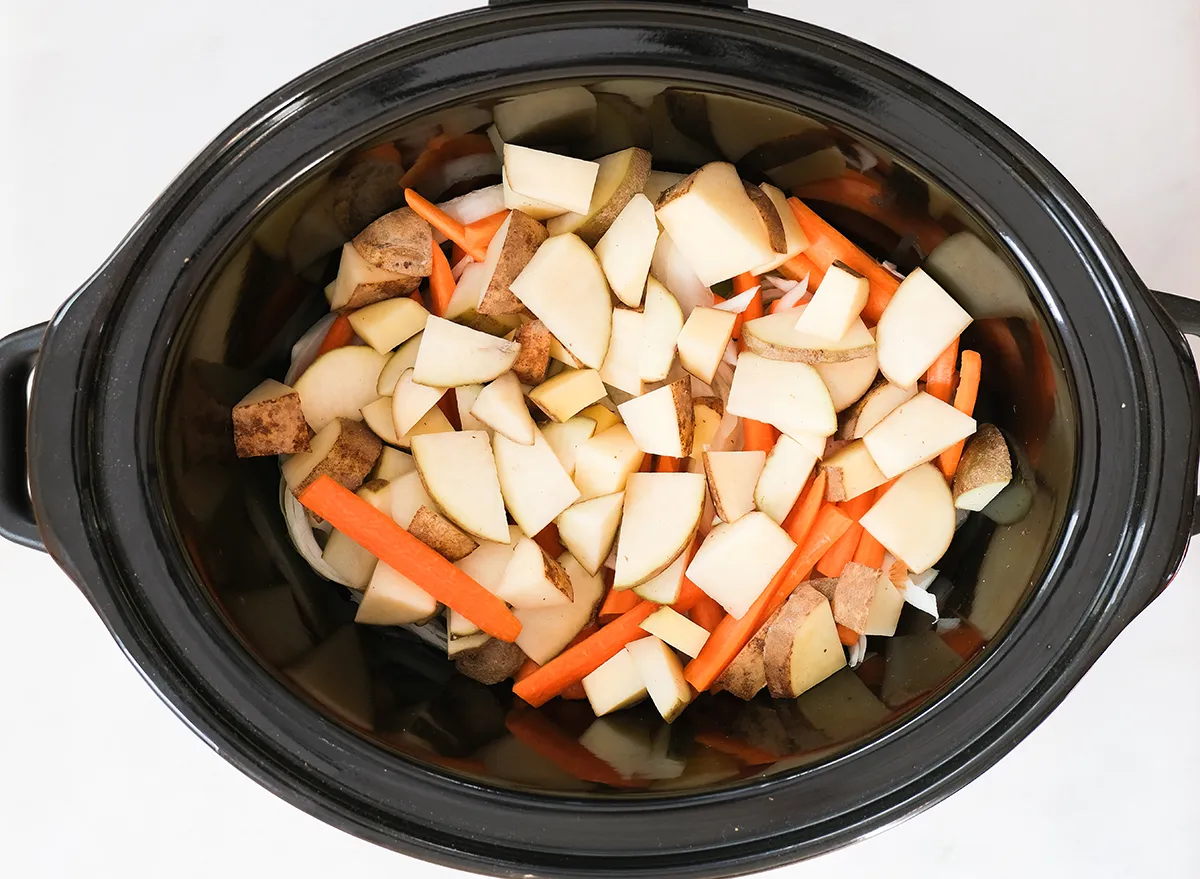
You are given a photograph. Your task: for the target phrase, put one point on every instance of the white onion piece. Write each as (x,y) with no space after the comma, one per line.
(458,270)
(891,269)
(858,652)
(915,593)
(304,352)
(675,273)
(864,158)
(432,632)
(794,297)
(738,304)
(296,517)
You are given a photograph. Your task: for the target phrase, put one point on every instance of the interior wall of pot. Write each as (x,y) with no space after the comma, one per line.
(389,685)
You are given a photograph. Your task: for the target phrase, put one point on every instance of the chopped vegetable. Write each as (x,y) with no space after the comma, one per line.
(964,401)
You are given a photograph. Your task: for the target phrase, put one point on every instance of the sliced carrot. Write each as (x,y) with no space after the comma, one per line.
(745,281)
(842,552)
(548,540)
(707,613)
(339,335)
(441,283)
(529,666)
(964,401)
(800,267)
(375,532)
(870,551)
(939,380)
(758,437)
(444,223)
(800,520)
(481,232)
(736,748)
(847,636)
(667,464)
(616,603)
(826,245)
(732,634)
(576,663)
(564,751)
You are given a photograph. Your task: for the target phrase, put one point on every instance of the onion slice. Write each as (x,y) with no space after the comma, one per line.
(296,517)
(738,304)
(304,352)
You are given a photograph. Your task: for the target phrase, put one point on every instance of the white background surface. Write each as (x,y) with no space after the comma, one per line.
(105,102)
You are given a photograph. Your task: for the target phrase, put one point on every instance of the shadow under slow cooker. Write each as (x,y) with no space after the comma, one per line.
(402,692)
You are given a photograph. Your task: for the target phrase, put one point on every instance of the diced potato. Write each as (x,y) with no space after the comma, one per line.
(392,599)
(534,358)
(550,178)
(915,519)
(615,685)
(569,392)
(703,340)
(511,249)
(603,463)
(441,535)
(622,362)
(919,323)
(353,563)
(269,421)
(627,248)
(386,325)
(501,406)
(536,488)
(802,646)
(566,438)
(662,673)
(344,450)
(399,242)
(451,355)
(661,325)
(851,471)
(737,561)
(662,422)
(338,384)
(784,474)
(589,528)
(546,631)
(835,306)
(984,470)
(460,473)
(411,402)
(533,579)
(661,514)
(732,477)
(677,630)
(790,396)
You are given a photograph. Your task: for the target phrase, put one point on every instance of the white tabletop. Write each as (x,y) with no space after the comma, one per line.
(104,102)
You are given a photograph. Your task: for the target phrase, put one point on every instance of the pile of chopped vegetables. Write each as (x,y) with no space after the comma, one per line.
(531,432)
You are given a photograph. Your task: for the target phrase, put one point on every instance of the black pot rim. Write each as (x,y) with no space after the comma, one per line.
(1124,530)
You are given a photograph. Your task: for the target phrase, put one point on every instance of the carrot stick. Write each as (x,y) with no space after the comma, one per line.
(441,283)
(576,663)
(535,730)
(707,613)
(732,634)
(847,636)
(667,464)
(616,603)
(799,521)
(339,335)
(939,380)
(529,666)
(827,245)
(869,552)
(375,532)
(736,748)
(444,223)
(758,437)
(842,552)
(800,267)
(964,401)
(481,232)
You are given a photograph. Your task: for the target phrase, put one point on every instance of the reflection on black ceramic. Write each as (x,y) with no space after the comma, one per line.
(405,694)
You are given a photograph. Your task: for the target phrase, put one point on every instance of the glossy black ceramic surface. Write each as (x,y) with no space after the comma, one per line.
(183,552)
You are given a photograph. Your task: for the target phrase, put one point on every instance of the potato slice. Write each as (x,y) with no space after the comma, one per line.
(338,384)
(459,472)
(399,242)
(851,471)
(531,207)
(386,325)
(877,404)
(567,437)
(772,221)
(627,248)
(547,116)
(703,340)
(441,535)
(589,528)
(411,402)
(602,415)
(707,412)
(712,220)
(534,358)
(501,406)
(391,599)
(677,630)
(435,421)
(917,431)
(746,676)
(732,477)
(662,422)
(546,631)
(404,358)
(776,338)
(451,355)
(783,476)
(848,381)
(533,579)
(536,488)
(791,396)
(359,283)
(615,685)
(511,249)
(582,321)
(666,587)
(621,176)
(550,178)
(487,564)
(915,519)
(344,450)
(802,646)
(378,416)
(464,398)
(737,561)
(662,673)
(493,662)
(839,300)
(269,421)
(567,393)
(408,496)
(795,241)
(918,324)
(354,564)
(621,367)
(662,322)
(984,470)
(392,463)
(661,514)
(604,463)
(852,597)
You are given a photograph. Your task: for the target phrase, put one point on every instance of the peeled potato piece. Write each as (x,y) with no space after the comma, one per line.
(915,519)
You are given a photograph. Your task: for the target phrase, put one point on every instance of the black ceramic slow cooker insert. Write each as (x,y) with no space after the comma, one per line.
(183,552)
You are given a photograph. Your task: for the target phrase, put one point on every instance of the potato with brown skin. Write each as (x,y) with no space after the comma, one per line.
(770,217)
(984,470)
(344,450)
(853,595)
(440,534)
(849,472)
(269,421)
(510,251)
(491,663)
(534,358)
(802,646)
(880,400)
(747,675)
(399,242)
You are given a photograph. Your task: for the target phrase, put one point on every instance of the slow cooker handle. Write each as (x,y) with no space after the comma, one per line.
(1185,313)
(735,4)
(18,352)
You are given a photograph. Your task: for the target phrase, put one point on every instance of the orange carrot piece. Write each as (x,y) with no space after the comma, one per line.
(539,733)
(576,663)
(441,283)
(707,613)
(616,603)
(375,532)
(827,245)
(667,464)
(481,232)
(339,335)
(842,552)
(736,748)
(444,223)
(800,520)
(847,636)
(757,436)
(964,401)
(548,540)
(869,552)
(939,380)
(732,634)
(800,267)
(745,281)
